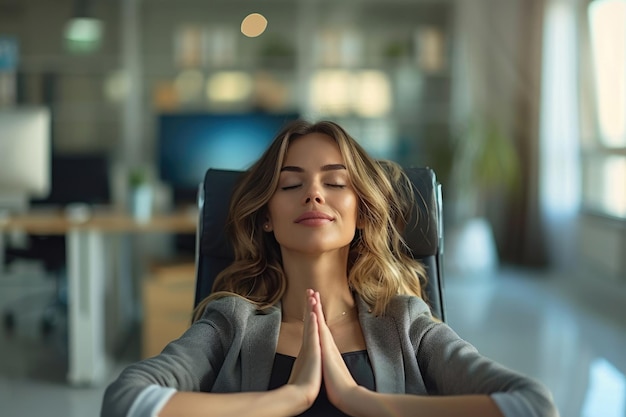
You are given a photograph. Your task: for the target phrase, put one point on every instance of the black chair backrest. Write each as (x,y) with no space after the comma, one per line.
(424,236)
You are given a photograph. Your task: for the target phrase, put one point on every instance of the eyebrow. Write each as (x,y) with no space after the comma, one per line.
(329,167)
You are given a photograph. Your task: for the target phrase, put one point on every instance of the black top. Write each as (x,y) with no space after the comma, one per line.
(358,364)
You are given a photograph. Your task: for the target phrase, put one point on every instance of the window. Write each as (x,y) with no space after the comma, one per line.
(604,149)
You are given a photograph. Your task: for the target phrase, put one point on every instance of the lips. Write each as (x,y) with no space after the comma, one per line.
(314,218)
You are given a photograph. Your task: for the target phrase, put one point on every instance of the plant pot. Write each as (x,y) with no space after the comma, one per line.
(141,203)
(471,249)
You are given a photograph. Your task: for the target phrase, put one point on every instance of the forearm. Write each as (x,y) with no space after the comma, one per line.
(366,403)
(284,401)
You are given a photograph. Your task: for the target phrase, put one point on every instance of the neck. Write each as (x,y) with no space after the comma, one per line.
(326,274)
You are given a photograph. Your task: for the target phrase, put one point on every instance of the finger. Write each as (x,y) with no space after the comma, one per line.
(308,307)
(310,350)
(318,307)
(310,319)
(337,377)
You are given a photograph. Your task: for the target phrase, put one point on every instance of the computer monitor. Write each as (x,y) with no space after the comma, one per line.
(190,143)
(24,155)
(78,178)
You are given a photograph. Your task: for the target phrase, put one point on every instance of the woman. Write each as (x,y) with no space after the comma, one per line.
(321,311)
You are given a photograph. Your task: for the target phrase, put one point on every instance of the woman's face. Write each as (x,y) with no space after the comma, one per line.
(314,209)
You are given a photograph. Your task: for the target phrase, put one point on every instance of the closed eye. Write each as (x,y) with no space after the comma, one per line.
(293,187)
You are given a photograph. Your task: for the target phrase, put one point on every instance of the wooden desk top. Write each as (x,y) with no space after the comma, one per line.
(57,223)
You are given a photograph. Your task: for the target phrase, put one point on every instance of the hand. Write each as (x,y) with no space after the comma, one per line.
(338,380)
(306,374)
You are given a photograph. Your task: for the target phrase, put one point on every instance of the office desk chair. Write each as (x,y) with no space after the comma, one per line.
(50,250)
(424,237)
(75,178)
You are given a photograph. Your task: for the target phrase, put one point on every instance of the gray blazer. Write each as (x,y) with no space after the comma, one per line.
(231,349)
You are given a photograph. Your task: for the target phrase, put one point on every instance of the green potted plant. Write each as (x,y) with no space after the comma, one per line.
(141,194)
(485,164)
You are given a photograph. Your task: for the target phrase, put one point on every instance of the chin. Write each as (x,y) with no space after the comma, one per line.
(317,248)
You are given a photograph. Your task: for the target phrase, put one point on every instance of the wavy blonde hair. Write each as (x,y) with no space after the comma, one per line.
(379,266)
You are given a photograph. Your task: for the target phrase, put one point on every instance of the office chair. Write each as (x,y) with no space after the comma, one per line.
(424,237)
(75,178)
(51,252)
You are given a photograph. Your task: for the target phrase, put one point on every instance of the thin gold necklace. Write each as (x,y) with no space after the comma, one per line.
(335,319)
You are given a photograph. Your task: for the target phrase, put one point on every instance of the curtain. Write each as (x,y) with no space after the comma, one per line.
(559,132)
(497,74)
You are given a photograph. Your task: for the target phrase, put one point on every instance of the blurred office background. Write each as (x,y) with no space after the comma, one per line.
(518,105)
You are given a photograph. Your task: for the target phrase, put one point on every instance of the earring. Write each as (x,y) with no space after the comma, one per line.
(266,226)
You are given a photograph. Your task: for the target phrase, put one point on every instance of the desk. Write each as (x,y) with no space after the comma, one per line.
(86,277)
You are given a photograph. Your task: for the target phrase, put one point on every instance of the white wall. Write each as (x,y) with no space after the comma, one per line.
(602,246)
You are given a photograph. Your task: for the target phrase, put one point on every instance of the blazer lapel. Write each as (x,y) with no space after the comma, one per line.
(383,348)
(258,349)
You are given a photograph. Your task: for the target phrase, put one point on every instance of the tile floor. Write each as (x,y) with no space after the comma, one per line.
(540,325)
(572,341)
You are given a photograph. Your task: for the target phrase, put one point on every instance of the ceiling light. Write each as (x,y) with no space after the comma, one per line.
(253,25)
(83,33)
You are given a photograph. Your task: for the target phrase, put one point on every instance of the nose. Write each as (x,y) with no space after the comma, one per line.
(313,193)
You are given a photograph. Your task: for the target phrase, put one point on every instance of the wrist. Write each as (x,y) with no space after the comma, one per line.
(358,402)
(294,399)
